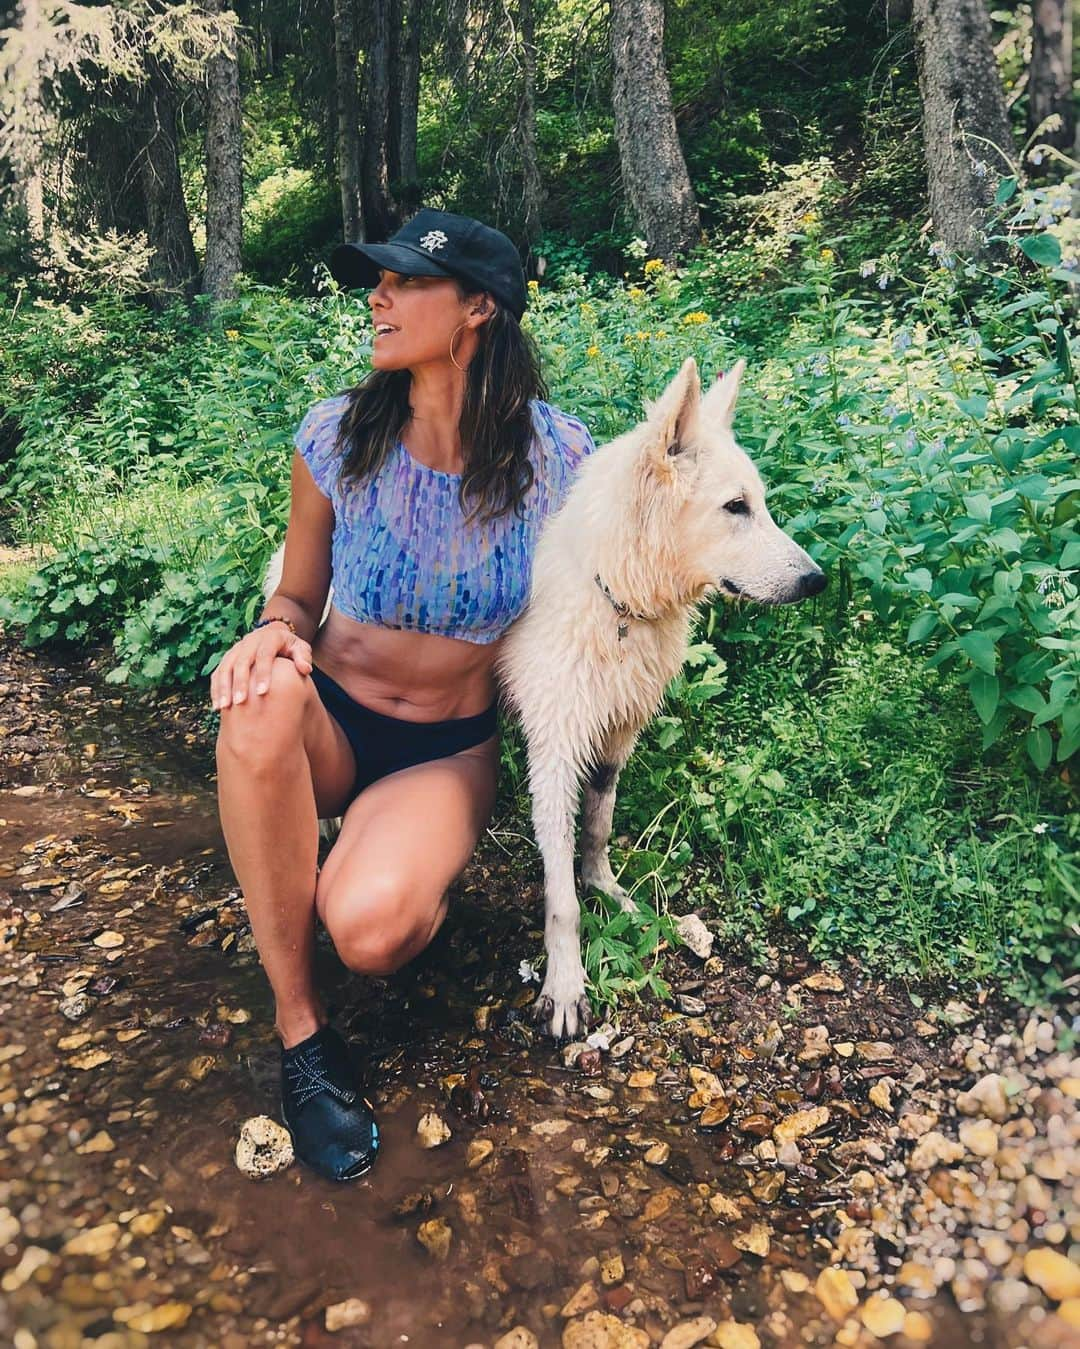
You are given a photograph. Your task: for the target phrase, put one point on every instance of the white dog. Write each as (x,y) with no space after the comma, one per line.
(655,521)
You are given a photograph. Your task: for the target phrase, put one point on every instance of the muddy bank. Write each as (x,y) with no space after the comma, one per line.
(783,1156)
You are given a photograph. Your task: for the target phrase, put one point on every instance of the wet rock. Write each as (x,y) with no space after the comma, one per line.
(263,1147)
(688,1333)
(658,1154)
(734,1335)
(702,1278)
(693,933)
(755,1240)
(836,1292)
(987,1097)
(478,1151)
(882,1316)
(1055,1274)
(598,1330)
(581,1301)
(431,1131)
(165,1316)
(435,1236)
(75,1008)
(801,1123)
(612,1270)
(354,1311)
(94,1241)
(518,1338)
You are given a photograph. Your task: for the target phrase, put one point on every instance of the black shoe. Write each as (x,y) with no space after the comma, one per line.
(332,1124)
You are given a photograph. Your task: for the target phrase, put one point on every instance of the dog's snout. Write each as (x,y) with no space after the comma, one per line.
(812,583)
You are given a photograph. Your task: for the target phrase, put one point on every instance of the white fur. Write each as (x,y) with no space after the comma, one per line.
(647,512)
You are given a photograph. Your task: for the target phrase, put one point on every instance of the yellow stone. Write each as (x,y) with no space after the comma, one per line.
(76,1041)
(836,1292)
(479,1150)
(434,1236)
(918,1326)
(1071,1087)
(883,1316)
(1069,1311)
(146,1224)
(109,939)
(93,1058)
(642,1078)
(734,1335)
(1055,1274)
(582,1301)
(823,982)
(94,1241)
(794,1280)
(756,1240)
(125,1035)
(101,1142)
(800,1124)
(166,1316)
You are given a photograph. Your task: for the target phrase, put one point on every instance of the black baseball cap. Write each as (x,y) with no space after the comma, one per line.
(439,243)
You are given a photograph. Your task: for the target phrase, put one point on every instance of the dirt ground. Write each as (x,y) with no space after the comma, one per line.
(781,1156)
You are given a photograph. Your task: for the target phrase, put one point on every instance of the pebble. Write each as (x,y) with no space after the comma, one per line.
(599,1331)
(980,1137)
(836,1292)
(987,1097)
(581,1301)
(264,1147)
(934,1149)
(354,1311)
(435,1236)
(521,1337)
(693,933)
(688,1333)
(734,1335)
(478,1151)
(882,1316)
(1055,1274)
(432,1131)
(801,1123)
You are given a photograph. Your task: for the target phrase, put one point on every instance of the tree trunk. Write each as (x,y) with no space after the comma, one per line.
(532,184)
(965,123)
(380,216)
(224,168)
(1050,73)
(27,148)
(174,266)
(655,180)
(348,120)
(408,103)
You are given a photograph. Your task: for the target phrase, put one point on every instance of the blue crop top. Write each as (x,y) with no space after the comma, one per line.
(402,555)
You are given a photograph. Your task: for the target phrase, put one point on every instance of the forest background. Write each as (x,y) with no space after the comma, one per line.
(873,203)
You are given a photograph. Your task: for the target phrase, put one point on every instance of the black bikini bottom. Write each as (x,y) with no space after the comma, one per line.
(383,744)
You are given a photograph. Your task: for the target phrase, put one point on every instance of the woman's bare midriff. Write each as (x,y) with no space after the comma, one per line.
(416,676)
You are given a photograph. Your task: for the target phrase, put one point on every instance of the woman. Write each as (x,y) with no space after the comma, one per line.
(419,494)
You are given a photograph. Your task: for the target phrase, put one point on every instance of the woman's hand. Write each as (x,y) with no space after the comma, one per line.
(252,657)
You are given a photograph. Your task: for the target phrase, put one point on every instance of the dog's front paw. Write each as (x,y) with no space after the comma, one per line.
(562,1006)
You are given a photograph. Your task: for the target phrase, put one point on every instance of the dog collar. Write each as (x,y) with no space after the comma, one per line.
(621,608)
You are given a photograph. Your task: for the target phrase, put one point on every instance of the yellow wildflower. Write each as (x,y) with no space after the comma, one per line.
(696,316)
(654,267)
(587,311)
(635,292)
(534,286)
(231,334)
(642,336)
(593,351)
(809,217)
(660,336)
(827,255)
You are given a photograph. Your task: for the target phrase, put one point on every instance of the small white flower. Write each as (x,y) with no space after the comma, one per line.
(1040,828)
(528,972)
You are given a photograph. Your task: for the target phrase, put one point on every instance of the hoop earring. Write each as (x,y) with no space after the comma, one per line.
(458,329)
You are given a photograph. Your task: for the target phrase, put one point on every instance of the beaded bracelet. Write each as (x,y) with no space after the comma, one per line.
(276,618)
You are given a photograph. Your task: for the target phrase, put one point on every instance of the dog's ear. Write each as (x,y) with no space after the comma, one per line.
(718,405)
(671,416)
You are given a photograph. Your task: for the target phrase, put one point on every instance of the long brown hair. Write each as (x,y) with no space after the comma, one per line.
(496,422)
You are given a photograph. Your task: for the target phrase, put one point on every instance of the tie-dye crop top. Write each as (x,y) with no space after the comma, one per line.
(402,555)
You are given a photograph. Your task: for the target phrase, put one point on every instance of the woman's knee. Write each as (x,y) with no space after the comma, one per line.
(375,926)
(257,729)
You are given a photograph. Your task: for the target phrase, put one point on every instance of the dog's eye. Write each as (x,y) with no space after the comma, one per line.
(737,507)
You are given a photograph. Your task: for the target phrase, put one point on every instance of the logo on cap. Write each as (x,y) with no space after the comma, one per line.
(433,239)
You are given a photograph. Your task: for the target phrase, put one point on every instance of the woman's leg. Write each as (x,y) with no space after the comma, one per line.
(382,892)
(282,764)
